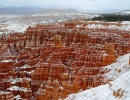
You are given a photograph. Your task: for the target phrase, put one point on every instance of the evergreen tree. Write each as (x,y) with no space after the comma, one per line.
(112,17)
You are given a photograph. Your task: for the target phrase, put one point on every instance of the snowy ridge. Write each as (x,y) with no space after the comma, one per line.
(119,89)
(19,23)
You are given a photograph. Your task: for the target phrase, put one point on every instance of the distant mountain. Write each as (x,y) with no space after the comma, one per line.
(122,12)
(19,18)
(105,12)
(25,10)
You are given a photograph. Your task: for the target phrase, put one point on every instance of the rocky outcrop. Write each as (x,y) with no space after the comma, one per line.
(50,62)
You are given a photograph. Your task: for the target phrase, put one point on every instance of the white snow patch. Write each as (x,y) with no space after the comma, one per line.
(7,60)
(120,86)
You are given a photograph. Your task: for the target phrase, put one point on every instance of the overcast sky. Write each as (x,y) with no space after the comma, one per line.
(77,4)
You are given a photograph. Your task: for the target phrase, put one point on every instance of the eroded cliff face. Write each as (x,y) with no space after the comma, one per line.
(53,61)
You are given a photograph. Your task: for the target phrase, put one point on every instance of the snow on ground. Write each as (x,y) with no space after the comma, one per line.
(125,26)
(118,68)
(19,23)
(126,12)
(17,27)
(16,88)
(126,22)
(7,60)
(118,89)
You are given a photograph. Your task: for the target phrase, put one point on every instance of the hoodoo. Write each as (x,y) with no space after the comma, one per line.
(49,62)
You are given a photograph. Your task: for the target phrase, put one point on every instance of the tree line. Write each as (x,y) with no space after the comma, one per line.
(112,17)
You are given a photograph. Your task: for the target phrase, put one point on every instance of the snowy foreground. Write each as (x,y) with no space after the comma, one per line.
(118,89)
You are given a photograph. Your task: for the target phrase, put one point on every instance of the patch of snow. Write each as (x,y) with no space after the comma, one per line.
(19,23)
(7,60)
(25,66)
(122,64)
(118,89)
(99,26)
(16,27)
(14,88)
(126,12)
(13,81)
(79,26)
(125,22)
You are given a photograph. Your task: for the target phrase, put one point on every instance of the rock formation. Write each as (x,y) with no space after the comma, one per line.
(50,62)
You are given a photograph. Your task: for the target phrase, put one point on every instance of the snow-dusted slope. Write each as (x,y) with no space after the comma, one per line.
(118,68)
(19,23)
(118,89)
